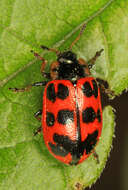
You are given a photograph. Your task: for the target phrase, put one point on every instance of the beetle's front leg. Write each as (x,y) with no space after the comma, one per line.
(44,62)
(92,61)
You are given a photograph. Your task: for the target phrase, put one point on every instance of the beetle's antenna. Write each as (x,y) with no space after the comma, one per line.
(50,49)
(78,37)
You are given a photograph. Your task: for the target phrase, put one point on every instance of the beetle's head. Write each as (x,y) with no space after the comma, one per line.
(67,57)
(69,68)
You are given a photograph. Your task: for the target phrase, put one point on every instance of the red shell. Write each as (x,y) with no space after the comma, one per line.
(76,101)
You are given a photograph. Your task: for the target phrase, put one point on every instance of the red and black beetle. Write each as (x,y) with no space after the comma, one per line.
(71,114)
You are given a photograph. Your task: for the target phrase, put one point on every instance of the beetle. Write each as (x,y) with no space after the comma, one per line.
(72,113)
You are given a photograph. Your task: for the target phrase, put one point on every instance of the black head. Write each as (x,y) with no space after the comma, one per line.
(69,66)
(67,57)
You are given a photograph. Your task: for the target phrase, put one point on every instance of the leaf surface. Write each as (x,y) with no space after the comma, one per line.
(25,163)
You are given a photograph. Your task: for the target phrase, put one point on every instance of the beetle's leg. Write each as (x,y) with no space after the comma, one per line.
(39,112)
(42,59)
(50,49)
(85,66)
(91,62)
(36,115)
(27,88)
(78,37)
(105,88)
(96,157)
(54,70)
(38,131)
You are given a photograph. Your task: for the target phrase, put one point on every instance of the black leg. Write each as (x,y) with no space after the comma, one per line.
(27,88)
(38,131)
(36,115)
(104,87)
(43,83)
(39,112)
(107,90)
(91,62)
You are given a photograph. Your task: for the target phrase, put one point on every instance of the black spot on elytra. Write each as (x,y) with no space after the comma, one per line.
(69,146)
(95,88)
(99,115)
(63,91)
(64,141)
(51,92)
(64,146)
(90,141)
(50,119)
(89,115)
(88,91)
(65,116)
(58,150)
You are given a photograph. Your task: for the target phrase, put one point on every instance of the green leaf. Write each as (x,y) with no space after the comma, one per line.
(25,163)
